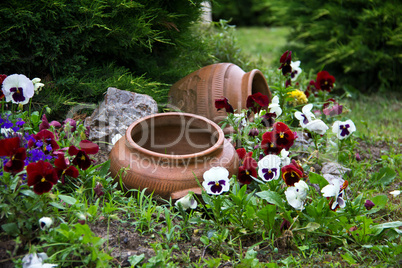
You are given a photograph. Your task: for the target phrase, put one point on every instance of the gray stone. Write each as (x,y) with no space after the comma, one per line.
(116,113)
(332,171)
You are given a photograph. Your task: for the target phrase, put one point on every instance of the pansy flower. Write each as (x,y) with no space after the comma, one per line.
(256,102)
(296,195)
(18,88)
(224,103)
(2,77)
(37,84)
(44,124)
(285,159)
(336,191)
(247,170)
(343,129)
(306,115)
(369,204)
(62,168)
(311,89)
(216,180)
(317,126)
(283,136)
(292,173)
(253,132)
(44,139)
(296,70)
(268,144)
(11,148)
(42,176)
(187,201)
(274,107)
(268,119)
(82,159)
(324,81)
(269,167)
(285,62)
(99,189)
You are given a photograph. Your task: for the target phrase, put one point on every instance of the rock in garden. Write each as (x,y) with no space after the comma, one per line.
(116,113)
(332,171)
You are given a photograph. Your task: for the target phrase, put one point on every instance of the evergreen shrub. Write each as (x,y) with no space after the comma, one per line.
(358,41)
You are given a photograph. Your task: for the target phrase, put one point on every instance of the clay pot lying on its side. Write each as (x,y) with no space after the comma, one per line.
(196,93)
(166,153)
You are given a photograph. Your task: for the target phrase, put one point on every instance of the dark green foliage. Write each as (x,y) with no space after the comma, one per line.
(243,12)
(357,41)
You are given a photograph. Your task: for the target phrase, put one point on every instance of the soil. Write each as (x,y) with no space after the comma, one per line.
(123,240)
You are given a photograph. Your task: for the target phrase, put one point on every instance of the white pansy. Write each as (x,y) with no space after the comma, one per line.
(45,223)
(187,201)
(296,195)
(34,260)
(285,159)
(269,167)
(18,89)
(395,193)
(296,70)
(216,180)
(274,106)
(317,126)
(306,115)
(334,190)
(343,129)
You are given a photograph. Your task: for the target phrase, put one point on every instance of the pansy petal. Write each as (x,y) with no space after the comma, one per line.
(89,147)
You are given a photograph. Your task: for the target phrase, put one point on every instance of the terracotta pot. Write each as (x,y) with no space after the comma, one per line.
(196,93)
(166,152)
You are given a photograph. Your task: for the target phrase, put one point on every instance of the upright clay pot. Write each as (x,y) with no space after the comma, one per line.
(165,153)
(196,93)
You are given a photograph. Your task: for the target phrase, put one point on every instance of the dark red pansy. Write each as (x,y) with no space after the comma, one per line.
(224,104)
(291,174)
(369,204)
(82,159)
(63,168)
(268,144)
(47,137)
(242,153)
(42,176)
(288,83)
(285,61)
(248,170)
(99,189)
(268,119)
(2,77)
(283,137)
(324,81)
(257,101)
(11,148)
(311,89)
(253,132)
(44,124)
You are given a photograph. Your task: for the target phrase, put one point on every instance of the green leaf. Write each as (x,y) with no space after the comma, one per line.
(383,177)
(57,205)
(388,225)
(271,197)
(68,199)
(317,179)
(11,228)
(136,259)
(103,172)
(380,200)
(348,258)
(312,226)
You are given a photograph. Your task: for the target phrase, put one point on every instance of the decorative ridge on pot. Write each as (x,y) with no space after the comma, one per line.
(196,93)
(167,153)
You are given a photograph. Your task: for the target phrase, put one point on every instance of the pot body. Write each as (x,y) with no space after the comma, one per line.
(196,93)
(166,153)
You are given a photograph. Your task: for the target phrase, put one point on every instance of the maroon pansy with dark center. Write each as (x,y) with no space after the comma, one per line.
(11,148)
(47,138)
(224,104)
(42,176)
(268,119)
(2,77)
(99,189)
(242,153)
(311,89)
(82,159)
(324,81)
(63,168)
(283,137)
(285,61)
(369,204)
(253,132)
(257,101)
(291,174)
(268,144)
(248,170)
(44,124)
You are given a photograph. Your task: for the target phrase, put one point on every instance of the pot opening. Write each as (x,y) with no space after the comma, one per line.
(175,135)
(259,84)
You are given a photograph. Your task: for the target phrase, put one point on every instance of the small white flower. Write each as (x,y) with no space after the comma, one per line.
(296,195)
(269,167)
(45,223)
(18,89)
(317,126)
(37,85)
(335,190)
(240,119)
(34,260)
(395,193)
(306,116)
(187,201)
(285,159)
(116,138)
(216,180)
(343,129)
(274,106)
(296,70)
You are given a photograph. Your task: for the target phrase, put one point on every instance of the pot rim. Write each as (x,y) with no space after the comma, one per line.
(218,144)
